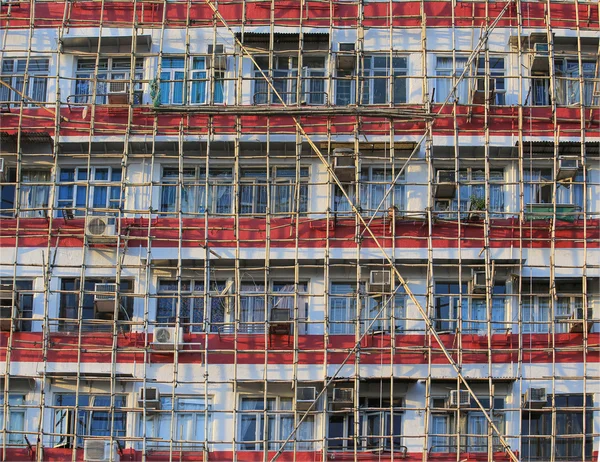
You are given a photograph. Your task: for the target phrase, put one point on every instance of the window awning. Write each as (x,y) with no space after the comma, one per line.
(111,44)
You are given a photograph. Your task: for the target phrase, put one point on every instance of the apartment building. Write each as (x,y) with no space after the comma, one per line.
(318,230)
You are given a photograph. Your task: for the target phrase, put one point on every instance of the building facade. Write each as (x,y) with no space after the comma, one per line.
(315,230)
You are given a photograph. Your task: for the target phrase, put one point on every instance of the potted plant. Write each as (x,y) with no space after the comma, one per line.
(476,204)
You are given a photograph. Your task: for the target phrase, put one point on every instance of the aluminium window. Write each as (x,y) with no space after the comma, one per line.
(13,73)
(104,193)
(176,89)
(34,193)
(192,418)
(15,424)
(391,304)
(16,298)
(111,76)
(342,308)
(496,82)
(471,427)
(567,84)
(380,82)
(285,298)
(446,79)
(278,418)
(70,312)
(374,183)
(95,416)
(191,308)
(561,423)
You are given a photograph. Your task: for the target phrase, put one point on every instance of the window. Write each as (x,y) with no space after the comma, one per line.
(374,183)
(497,83)
(564,425)
(471,187)
(16,418)
(16,303)
(384,322)
(176,89)
(447,304)
(279,419)
(34,193)
(13,73)
(104,189)
(190,414)
(190,197)
(70,311)
(446,79)
(568,89)
(287,196)
(381,84)
(252,308)
(380,426)
(111,77)
(452,298)
(284,78)
(283,299)
(537,303)
(342,308)
(472,426)
(191,309)
(95,416)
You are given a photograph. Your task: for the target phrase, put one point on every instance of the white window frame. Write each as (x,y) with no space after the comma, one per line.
(495,74)
(196,434)
(196,87)
(106,74)
(13,73)
(278,408)
(384,322)
(90,185)
(193,294)
(16,421)
(346,324)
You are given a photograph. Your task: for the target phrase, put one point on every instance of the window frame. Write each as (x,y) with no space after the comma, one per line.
(196,79)
(17,413)
(15,77)
(347,325)
(25,322)
(102,75)
(193,293)
(84,188)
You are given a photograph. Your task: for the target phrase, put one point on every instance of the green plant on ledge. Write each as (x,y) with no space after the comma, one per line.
(155,92)
(477,203)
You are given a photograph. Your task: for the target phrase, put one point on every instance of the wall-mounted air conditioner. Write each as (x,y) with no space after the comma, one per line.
(445,184)
(220,59)
(305,396)
(459,398)
(567,167)
(479,282)
(343,396)
(535,398)
(346,56)
(150,396)
(480,96)
(164,338)
(343,164)
(380,281)
(577,320)
(100,227)
(540,50)
(100,451)
(105,295)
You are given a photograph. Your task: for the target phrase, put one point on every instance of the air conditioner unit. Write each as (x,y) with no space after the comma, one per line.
(104,297)
(220,59)
(577,327)
(100,451)
(479,282)
(567,167)
(149,397)
(459,398)
(343,164)
(540,50)
(480,96)
(100,227)
(346,57)
(445,184)
(535,398)
(380,281)
(343,396)
(305,396)
(443,209)
(117,92)
(280,321)
(164,338)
